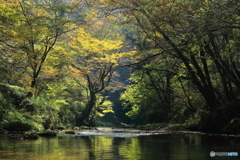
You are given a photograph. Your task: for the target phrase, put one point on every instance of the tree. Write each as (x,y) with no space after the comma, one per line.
(92,61)
(96,59)
(31,35)
(9,18)
(183,28)
(200,35)
(34,33)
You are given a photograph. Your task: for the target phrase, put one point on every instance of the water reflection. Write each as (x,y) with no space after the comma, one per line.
(94,147)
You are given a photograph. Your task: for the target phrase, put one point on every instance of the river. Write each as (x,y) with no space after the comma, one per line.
(117,144)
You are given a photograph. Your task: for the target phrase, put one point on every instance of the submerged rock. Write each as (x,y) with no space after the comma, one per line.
(30,136)
(69,132)
(48,134)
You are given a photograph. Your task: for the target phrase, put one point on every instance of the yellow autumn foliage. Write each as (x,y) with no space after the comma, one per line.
(103,51)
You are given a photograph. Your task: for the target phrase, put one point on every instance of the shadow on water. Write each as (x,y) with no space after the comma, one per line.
(115,144)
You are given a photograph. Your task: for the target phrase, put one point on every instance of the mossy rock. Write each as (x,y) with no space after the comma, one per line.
(30,136)
(218,121)
(211,122)
(3,131)
(60,128)
(86,127)
(193,127)
(233,127)
(70,132)
(48,134)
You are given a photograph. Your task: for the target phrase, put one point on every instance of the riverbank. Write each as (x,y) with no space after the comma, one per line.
(19,135)
(177,128)
(26,135)
(148,128)
(163,127)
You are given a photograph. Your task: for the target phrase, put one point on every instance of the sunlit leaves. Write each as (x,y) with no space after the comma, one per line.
(90,45)
(103,108)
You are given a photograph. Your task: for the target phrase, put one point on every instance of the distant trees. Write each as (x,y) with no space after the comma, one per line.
(95,58)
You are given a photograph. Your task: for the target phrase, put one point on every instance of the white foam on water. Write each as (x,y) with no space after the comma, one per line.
(118,132)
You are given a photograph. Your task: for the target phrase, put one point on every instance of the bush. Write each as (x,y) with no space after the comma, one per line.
(17,126)
(12,94)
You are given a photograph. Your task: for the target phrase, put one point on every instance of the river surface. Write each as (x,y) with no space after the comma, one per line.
(116,144)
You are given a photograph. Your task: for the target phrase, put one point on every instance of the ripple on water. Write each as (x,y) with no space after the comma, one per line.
(115,133)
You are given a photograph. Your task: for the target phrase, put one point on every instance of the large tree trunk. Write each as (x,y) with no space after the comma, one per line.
(82,120)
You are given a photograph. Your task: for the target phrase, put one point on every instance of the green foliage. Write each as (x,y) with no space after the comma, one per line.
(17,126)
(62,71)
(144,98)
(11,107)
(195,43)
(38,112)
(103,106)
(193,119)
(23,117)
(3,106)
(10,94)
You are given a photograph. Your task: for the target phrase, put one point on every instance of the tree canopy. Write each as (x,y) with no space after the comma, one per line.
(68,57)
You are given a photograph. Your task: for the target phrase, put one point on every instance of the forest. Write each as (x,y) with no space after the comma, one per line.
(118,62)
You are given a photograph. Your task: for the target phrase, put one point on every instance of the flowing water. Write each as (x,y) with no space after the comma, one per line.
(116,144)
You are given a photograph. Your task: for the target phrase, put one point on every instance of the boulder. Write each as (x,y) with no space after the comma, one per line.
(30,136)
(218,121)
(48,134)
(233,127)
(69,132)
